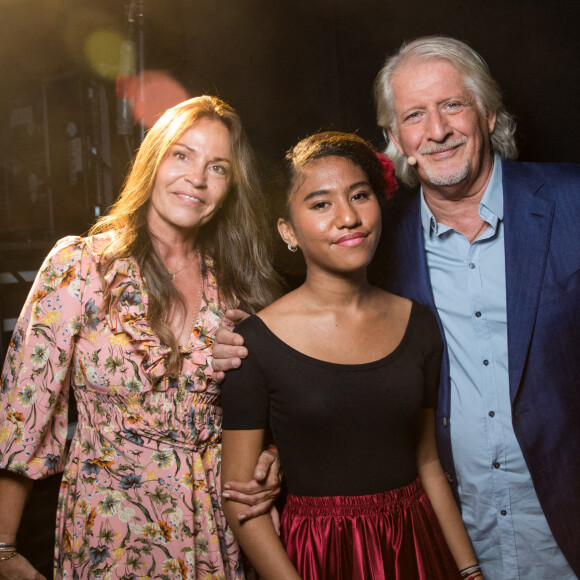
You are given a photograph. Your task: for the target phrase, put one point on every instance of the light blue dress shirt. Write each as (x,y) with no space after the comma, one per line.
(500,508)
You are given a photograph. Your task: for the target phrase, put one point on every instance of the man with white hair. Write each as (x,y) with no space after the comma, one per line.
(492,246)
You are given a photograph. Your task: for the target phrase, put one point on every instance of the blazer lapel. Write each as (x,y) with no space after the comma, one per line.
(408,275)
(408,271)
(528,223)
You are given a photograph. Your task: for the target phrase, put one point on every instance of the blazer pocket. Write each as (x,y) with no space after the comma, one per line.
(557,289)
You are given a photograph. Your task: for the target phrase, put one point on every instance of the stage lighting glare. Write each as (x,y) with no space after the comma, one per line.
(102,50)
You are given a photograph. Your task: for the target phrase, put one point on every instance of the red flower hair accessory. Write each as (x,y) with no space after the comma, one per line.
(389,173)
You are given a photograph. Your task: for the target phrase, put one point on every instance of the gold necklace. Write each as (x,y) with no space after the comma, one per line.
(173,275)
(478,231)
(196,310)
(474,236)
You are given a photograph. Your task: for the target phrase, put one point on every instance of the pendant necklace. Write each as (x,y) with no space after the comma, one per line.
(173,275)
(196,310)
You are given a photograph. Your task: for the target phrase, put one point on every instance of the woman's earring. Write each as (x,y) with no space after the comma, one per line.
(291,248)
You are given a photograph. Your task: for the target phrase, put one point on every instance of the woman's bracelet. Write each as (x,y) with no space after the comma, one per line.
(8,545)
(9,556)
(471,572)
(8,550)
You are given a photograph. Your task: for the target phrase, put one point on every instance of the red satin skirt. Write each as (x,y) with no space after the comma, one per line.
(393,535)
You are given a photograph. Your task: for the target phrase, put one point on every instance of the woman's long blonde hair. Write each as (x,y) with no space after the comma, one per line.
(237,238)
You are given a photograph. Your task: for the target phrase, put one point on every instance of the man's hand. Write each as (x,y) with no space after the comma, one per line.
(228,348)
(261,492)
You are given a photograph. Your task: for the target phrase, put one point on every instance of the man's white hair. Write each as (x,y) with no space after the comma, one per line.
(478,81)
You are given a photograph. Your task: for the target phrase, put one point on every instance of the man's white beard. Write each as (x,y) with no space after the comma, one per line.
(436,178)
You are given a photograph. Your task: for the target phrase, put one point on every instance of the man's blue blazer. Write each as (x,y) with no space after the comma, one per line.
(542,251)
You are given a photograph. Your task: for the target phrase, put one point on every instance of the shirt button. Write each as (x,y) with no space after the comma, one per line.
(471,265)
(491,414)
(485,362)
(449,477)
(503,512)
(444,421)
(496,464)
(478,314)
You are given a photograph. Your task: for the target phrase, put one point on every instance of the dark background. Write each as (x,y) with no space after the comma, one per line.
(290,67)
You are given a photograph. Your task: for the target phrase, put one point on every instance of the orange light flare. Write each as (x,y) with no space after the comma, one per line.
(160,92)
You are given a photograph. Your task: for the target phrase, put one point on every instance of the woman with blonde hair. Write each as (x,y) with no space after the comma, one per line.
(126,317)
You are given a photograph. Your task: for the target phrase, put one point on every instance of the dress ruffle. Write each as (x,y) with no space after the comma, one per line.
(127,314)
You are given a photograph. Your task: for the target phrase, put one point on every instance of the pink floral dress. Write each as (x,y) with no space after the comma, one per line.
(140,491)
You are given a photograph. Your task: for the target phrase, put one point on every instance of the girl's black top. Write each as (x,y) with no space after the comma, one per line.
(340,429)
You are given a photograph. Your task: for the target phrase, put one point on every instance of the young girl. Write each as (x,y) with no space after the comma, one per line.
(345,375)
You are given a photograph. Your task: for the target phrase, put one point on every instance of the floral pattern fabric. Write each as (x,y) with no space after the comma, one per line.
(140,491)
